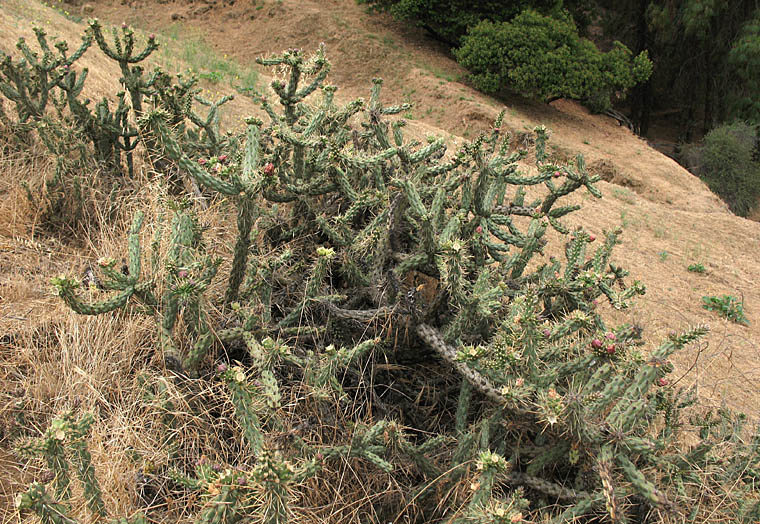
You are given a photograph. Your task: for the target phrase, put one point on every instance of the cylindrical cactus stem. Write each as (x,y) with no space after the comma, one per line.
(85,469)
(246,209)
(66,289)
(644,487)
(49,511)
(604,467)
(463,406)
(198,351)
(241,399)
(172,355)
(580,508)
(134,246)
(251,154)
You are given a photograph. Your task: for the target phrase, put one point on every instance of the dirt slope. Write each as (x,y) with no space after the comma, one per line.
(669,217)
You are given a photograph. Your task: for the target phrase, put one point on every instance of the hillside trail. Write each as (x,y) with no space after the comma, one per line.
(669,218)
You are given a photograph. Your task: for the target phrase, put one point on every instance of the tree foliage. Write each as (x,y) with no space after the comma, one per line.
(729,165)
(544,57)
(705,55)
(744,61)
(449,20)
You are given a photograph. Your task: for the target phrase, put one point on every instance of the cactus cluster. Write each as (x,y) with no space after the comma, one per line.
(357,245)
(63,442)
(46,89)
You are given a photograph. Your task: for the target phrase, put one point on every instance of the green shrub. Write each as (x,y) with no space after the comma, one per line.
(449,20)
(696,268)
(544,58)
(729,168)
(728,306)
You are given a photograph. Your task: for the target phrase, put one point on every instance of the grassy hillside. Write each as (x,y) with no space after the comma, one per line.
(52,359)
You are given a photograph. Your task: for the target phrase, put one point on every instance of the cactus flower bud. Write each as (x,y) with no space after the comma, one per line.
(557,174)
(547,332)
(610,336)
(662,382)
(495,129)
(591,238)
(221,368)
(123,25)
(242,481)
(269,168)
(610,349)
(596,343)
(202,161)
(216,467)
(222,158)
(152,36)
(182,273)
(479,229)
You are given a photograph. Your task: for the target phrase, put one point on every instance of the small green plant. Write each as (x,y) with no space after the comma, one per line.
(201,59)
(728,306)
(624,195)
(663,255)
(696,268)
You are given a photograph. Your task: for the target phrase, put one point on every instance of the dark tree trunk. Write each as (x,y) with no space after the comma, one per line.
(641,95)
(707,120)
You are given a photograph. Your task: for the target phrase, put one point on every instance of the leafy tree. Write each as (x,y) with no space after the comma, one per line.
(729,166)
(449,20)
(703,56)
(744,61)
(544,57)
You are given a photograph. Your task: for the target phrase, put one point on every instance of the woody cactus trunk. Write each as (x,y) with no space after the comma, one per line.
(357,244)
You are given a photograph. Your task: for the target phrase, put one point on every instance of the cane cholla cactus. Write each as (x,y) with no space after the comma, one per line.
(122,50)
(355,242)
(37,500)
(30,82)
(63,442)
(189,273)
